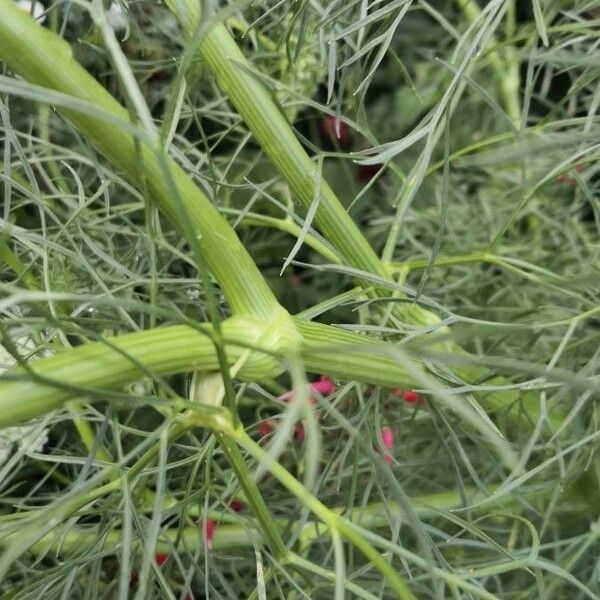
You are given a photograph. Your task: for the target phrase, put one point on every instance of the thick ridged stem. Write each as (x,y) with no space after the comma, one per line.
(274,134)
(43,58)
(271,129)
(97,367)
(111,365)
(230,535)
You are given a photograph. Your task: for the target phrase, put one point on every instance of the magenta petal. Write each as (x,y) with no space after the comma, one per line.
(387,437)
(324,386)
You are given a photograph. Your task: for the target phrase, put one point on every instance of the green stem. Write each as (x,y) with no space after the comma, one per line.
(270,528)
(273,132)
(518,267)
(43,58)
(44,132)
(230,534)
(96,367)
(270,127)
(505,68)
(332,520)
(287,225)
(99,366)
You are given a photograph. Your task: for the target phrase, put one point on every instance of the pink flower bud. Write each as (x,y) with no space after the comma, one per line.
(265,428)
(299,432)
(210,532)
(387,437)
(411,396)
(334,129)
(324,386)
(161,558)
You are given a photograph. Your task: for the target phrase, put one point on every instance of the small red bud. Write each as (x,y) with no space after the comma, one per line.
(265,428)
(299,432)
(387,437)
(237,506)
(334,129)
(324,386)
(161,559)
(411,396)
(210,532)
(367,172)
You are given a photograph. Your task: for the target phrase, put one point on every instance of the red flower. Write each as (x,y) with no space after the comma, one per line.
(299,432)
(367,172)
(387,439)
(324,387)
(210,532)
(161,558)
(411,396)
(334,129)
(265,428)
(237,506)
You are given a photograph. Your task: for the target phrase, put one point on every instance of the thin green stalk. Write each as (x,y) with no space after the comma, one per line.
(287,225)
(230,534)
(535,273)
(269,526)
(44,132)
(43,58)
(371,516)
(444,261)
(332,520)
(506,68)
